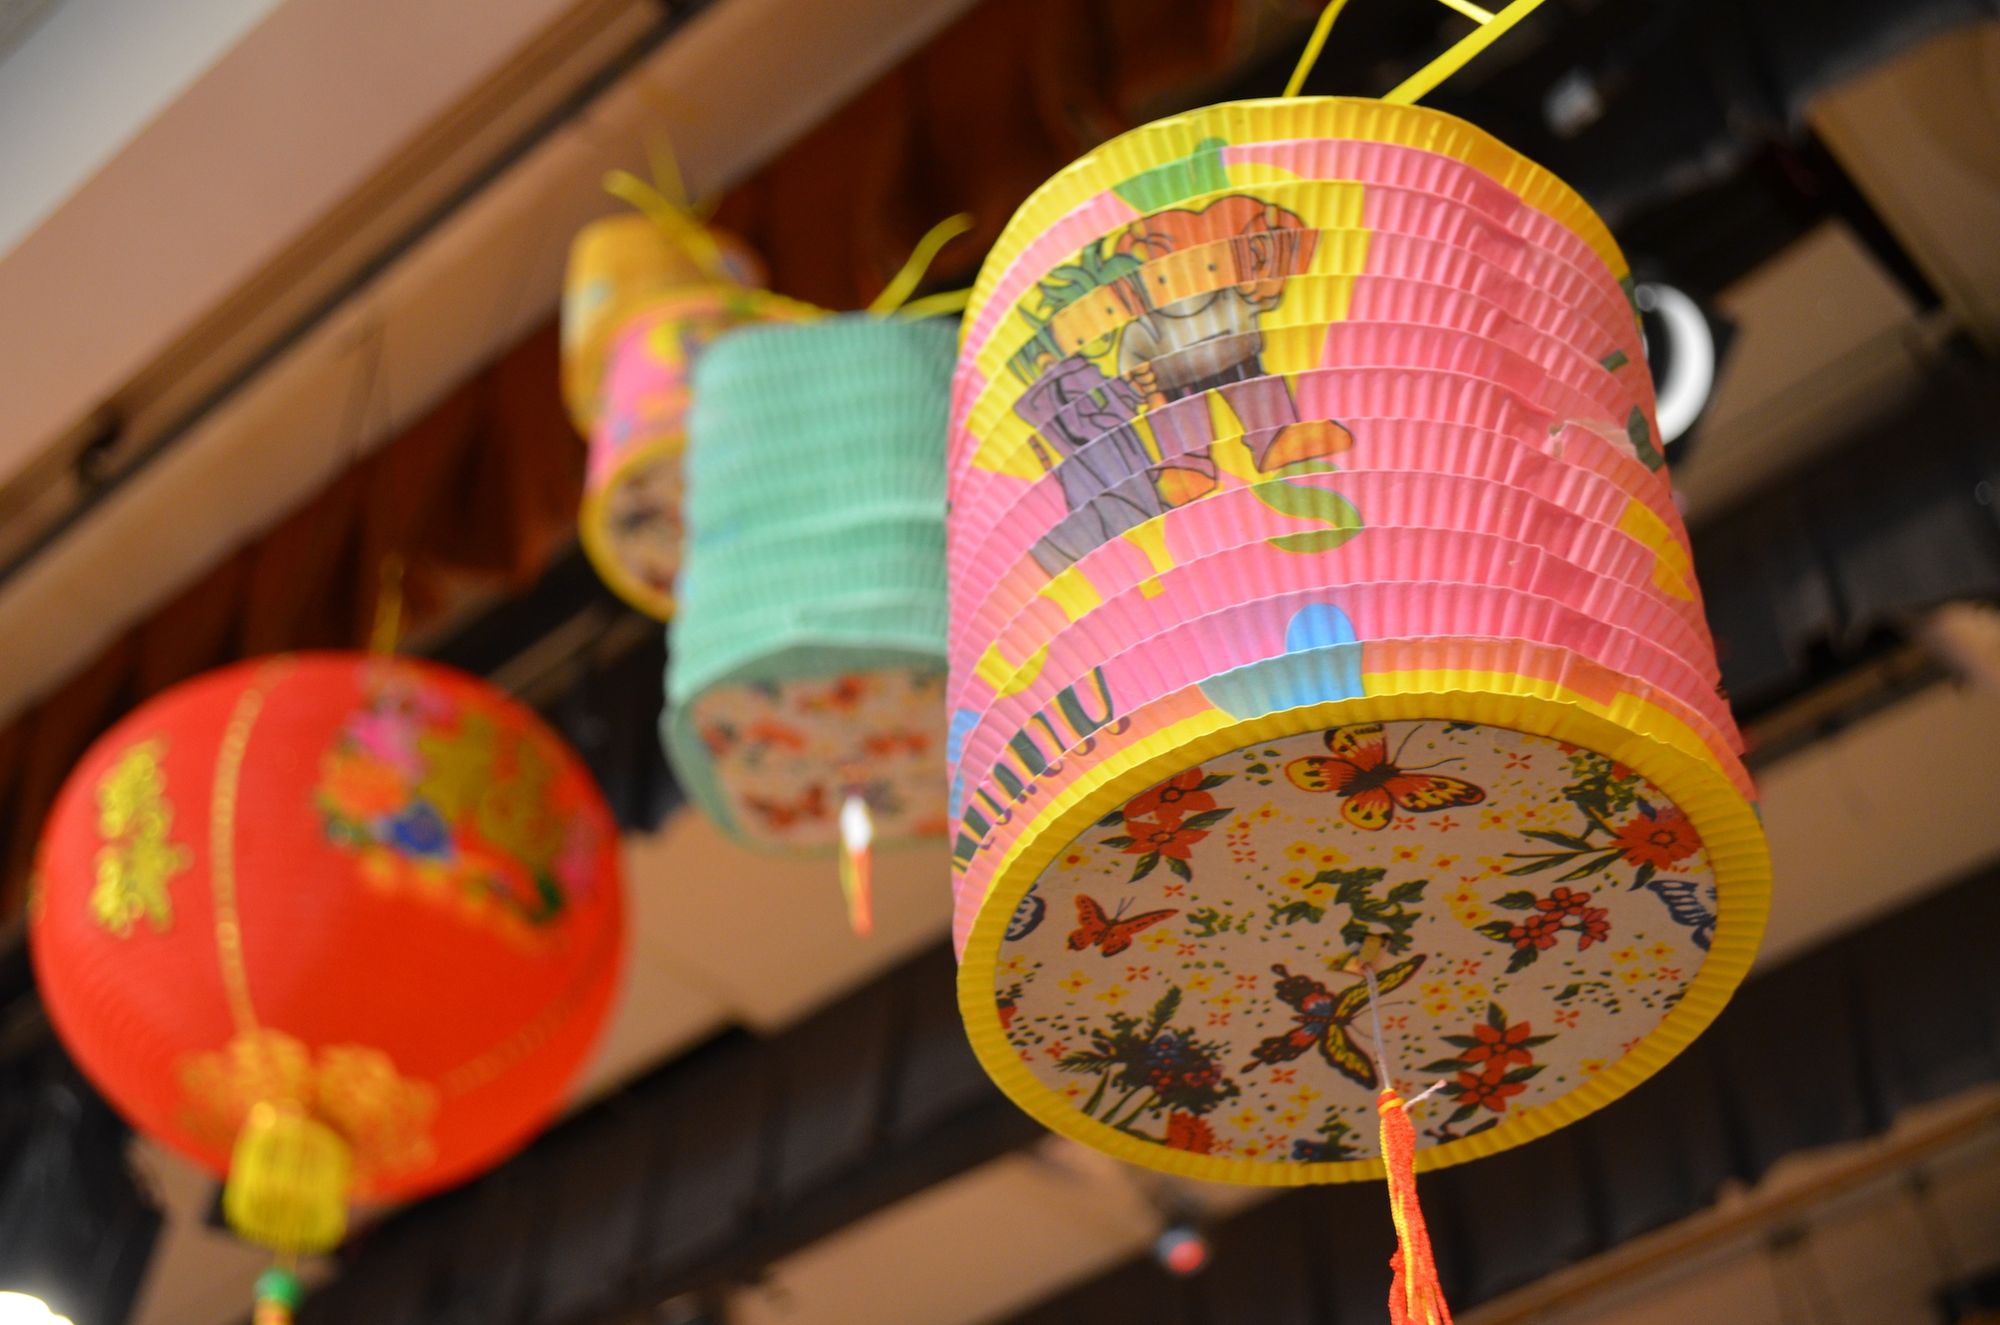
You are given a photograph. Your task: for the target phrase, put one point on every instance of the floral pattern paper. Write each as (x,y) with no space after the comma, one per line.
(1190,970)
(787,753)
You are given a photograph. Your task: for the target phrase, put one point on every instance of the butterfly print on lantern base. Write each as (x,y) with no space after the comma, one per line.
(1371,785)
(1325,1020)
(1114,933)
(782,815)
(1288,878)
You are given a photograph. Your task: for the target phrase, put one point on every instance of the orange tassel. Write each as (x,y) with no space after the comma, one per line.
(1415,1296)
(857,833)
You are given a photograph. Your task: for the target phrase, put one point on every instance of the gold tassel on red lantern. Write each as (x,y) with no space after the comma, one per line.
(288,1180)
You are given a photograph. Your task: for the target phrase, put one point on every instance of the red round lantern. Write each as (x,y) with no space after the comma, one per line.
(330,921)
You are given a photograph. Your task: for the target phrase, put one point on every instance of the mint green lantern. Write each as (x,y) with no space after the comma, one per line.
(805,667)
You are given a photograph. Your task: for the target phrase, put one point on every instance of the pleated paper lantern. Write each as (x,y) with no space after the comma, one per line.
(338,926)
(805,668)
(631,523)
(645,292)
(1331,699)
(617,266)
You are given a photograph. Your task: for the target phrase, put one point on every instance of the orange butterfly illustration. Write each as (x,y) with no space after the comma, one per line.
(843,696)
(1370,784)
(883,744)
(782,736)
(776,814)
(1112,933)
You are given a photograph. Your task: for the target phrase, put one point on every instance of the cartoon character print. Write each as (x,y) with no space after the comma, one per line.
(1179,340)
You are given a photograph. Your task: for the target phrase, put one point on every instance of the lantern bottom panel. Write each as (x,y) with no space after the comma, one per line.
(780,756)
(1187,974)
(632,529)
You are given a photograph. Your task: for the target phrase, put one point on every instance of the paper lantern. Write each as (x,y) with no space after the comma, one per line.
(805,667)
(1327,671)
(631,519)
(336,925)
(620,264)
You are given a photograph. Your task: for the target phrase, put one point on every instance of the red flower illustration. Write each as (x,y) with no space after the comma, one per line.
(1169,839)
(1662,840)
(1537,931)
(1171,801)
(1489,1089)
(1595,929)
(1497,1048)
(1185,1131)
(1564,901)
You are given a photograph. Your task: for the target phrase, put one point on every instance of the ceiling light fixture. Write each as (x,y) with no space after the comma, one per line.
(24,1309)
(1182,1250)
(1685,364)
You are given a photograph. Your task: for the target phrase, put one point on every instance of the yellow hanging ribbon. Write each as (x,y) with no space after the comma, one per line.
(388,606)
(904,283)
(677,220)
(1491,28)
(1314,45)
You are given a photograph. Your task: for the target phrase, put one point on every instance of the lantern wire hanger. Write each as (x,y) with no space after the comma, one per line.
(1491,28)
(895,297)
(383,638)
(665,202)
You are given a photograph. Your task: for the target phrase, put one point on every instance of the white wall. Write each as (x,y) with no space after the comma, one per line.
(87,78)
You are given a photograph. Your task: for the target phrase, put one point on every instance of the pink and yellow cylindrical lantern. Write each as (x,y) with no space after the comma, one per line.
(646,291)
(631,524)
(1330,691)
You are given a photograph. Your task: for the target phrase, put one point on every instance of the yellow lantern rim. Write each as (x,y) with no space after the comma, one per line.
(1729,826)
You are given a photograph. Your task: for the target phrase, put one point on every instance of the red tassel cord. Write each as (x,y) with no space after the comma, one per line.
(1415,1296)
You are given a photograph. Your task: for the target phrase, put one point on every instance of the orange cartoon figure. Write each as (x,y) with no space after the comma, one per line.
(1194,336)
(1179,332)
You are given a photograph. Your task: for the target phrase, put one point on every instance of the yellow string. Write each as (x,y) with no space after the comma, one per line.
(676,220)
(668,181)
(1314,47)
(388,607)
(1491,28)
(904,283)
(936,305)
(1470,10)
(1463,53)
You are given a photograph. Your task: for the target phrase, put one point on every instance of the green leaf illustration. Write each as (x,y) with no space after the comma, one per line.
(1307,544)
(1447,1065)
